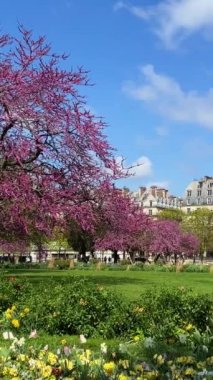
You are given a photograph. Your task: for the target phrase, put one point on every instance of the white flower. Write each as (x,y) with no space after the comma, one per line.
(103,348)
(8,335)
(21,342)
(82,339)
(33,334)
(46,347)
(32,362)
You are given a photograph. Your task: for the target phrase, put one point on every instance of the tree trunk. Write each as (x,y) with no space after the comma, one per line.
(132,256)
(115,256)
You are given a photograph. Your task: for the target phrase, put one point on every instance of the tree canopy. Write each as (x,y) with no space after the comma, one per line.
(53,150)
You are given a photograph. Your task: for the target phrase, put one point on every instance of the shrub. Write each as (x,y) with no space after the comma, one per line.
(62,264)
(10,290)
(78,307)
(161,312)
(195,268)
(75,307)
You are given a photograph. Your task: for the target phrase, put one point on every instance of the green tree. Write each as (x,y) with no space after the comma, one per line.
(59,241)
(200,222)
(172,214)
(80,239)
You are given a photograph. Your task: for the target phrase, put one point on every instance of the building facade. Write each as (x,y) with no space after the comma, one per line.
(155,199)
(198,194)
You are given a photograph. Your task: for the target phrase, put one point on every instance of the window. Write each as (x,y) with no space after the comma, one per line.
(198,201)
(189,193)
(209,201)
(150,203)
(188,210)
(150,212)
(199,193)
(188,201)
(209,192)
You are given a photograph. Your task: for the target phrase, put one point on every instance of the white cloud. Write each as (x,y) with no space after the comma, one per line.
(175,20)
(142,167)
(167,97)
(135,10)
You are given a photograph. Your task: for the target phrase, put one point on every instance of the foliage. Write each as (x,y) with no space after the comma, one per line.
(74,307)
(61,264)
(80,239)
(121,224)
(10,289)
(130,361)
(200,223)
(177,308)
(195,268)
(168,238)
(55,158)
(172,214)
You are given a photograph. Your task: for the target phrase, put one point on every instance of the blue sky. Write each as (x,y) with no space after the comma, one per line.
(152,65)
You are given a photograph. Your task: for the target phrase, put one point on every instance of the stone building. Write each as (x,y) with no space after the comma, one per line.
(155,199)
(198,194)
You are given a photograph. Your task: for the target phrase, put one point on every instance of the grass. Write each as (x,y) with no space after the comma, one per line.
(55,341)
(130,284)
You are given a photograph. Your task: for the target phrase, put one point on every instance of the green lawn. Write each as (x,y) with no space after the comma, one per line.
(130,283)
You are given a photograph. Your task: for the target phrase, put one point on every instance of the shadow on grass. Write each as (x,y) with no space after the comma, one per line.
(102,280)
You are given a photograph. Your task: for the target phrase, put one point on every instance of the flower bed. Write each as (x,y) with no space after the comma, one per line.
(22,361)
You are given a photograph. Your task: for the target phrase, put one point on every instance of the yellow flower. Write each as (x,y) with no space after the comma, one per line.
(69,364)
(189,327)
(26,310)
(46,371)
(8,314)
(87,354)
(16,378)
(83,302)
(39,364)
(13,372)
(15,323)
(122,376)
(63,342)
(124,363)
(5,370)
(22,357)
(138,309)
(95,362)
(189,371)
(136,338)
(151,375)
(52,358)
(13,308)
(160,360)
(109,367)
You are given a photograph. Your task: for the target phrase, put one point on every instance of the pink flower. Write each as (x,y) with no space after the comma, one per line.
(33,334)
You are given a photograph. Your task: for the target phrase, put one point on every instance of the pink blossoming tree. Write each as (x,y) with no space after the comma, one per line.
(53,152)
(121,225)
